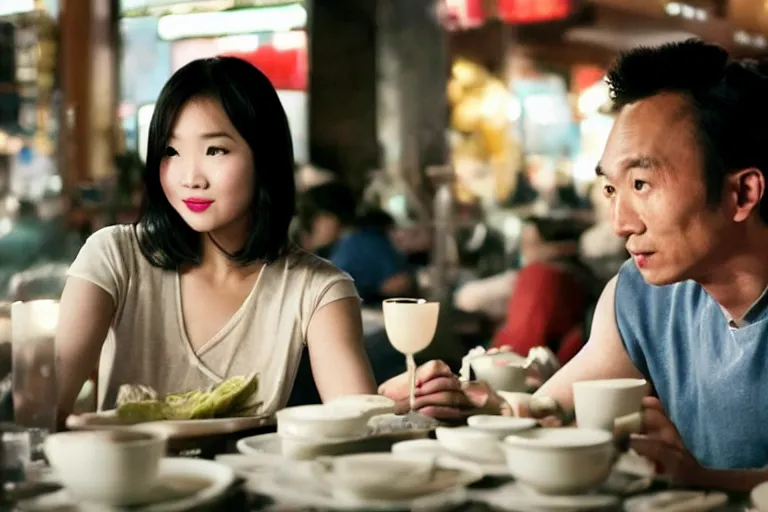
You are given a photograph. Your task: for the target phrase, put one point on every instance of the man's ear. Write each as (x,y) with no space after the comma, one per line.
(744,191)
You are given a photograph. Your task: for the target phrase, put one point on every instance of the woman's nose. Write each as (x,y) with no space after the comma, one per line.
(193,178)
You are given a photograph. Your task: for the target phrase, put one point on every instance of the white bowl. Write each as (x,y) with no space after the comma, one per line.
(322,422)
(370,405)
(504,371)
(560,460)
(471,443)
(116,468)
(368,473)
(425,446)
(500,426)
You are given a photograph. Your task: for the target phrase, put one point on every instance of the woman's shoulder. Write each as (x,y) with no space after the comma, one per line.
(119,236)
(298,260)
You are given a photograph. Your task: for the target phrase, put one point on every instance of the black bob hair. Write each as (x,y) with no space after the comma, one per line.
(252,105)
(727,100)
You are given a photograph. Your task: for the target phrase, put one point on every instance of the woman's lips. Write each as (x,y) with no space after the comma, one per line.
(197,205)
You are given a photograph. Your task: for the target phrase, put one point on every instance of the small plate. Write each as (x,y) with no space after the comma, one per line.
(679,501)
(302,485)
(183,483)
(274,444)
(434,447)
(180,429)
(516,497)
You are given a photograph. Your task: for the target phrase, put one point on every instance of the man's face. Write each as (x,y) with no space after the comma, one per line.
(653,174)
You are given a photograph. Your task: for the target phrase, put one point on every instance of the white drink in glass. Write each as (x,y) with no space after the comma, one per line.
(35,387)
(410,326)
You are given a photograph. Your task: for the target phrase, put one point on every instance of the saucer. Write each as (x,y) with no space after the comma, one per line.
(183,483)
(304,484)
(295,448)
(679,501)
(517,497)
(434,447)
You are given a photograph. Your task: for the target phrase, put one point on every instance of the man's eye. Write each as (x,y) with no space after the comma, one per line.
(608,190)
(639,185)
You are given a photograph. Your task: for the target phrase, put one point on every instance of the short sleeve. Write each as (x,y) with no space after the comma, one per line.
(329,287)
(103,261)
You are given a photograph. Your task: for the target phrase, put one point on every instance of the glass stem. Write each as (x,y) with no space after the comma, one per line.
(411,366)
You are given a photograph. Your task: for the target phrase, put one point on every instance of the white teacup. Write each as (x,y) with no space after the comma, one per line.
(109,467)
(503,371)
(598,403)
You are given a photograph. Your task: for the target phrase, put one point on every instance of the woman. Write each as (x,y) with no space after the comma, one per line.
(205,285)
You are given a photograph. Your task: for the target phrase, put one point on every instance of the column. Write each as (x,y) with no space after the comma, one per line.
(89,43)
(413,71)
(342,88)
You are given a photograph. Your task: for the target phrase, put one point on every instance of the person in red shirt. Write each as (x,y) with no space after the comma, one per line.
(553,293)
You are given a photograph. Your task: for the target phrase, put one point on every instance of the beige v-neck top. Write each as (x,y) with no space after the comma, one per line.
(147,342)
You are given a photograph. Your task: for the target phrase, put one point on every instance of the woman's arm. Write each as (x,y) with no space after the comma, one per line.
(335,339)
(85,315)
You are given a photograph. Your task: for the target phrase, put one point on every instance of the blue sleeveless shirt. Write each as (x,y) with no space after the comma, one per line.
(710,376)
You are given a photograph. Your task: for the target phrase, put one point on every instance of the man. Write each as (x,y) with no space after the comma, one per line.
(685,170)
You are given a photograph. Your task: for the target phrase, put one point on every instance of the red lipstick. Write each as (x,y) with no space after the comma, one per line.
(197,204)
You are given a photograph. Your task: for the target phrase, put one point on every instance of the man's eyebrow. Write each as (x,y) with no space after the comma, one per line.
(641,162)
(636,162)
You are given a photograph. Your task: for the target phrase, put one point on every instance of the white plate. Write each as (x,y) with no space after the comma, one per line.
(179,429)
(678,501)
(299,485)
(191,482)
(516,497)
(434,447)
(294,448)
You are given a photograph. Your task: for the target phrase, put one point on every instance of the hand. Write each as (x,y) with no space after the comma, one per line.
(441,395)
(661,444)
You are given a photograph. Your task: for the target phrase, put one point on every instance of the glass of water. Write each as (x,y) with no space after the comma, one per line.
(35,389)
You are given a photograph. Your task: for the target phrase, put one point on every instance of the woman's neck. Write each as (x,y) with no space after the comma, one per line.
(217,250)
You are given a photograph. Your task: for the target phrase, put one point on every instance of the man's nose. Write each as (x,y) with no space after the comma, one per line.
(626,222)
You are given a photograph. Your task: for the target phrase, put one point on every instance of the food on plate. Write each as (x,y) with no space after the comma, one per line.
(138,403)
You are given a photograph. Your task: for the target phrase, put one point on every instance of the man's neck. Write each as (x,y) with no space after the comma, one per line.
(740,280)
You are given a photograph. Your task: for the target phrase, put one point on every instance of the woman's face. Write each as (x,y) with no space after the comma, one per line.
(207,172)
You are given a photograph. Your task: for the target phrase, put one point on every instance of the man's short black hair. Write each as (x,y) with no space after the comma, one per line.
(728,102)
(252,105)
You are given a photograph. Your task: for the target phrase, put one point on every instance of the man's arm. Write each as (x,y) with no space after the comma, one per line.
(603,357)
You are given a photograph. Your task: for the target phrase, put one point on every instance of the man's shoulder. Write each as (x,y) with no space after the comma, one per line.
(636,296)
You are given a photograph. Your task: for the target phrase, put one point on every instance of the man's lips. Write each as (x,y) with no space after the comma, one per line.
(642,259)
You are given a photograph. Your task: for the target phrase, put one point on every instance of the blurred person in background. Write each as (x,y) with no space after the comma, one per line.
(360,245)
(552,292)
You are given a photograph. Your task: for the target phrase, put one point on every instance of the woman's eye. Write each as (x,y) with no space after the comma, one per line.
(639,185)
(608,190)
(213,151)
(169,151)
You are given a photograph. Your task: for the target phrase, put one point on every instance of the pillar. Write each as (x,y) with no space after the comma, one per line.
(342,88)
(88,77)
(413,71)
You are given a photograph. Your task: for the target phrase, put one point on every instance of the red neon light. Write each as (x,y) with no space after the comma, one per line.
(532,11)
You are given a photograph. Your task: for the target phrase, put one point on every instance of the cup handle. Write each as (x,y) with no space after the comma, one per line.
(543,406)
(624,427)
